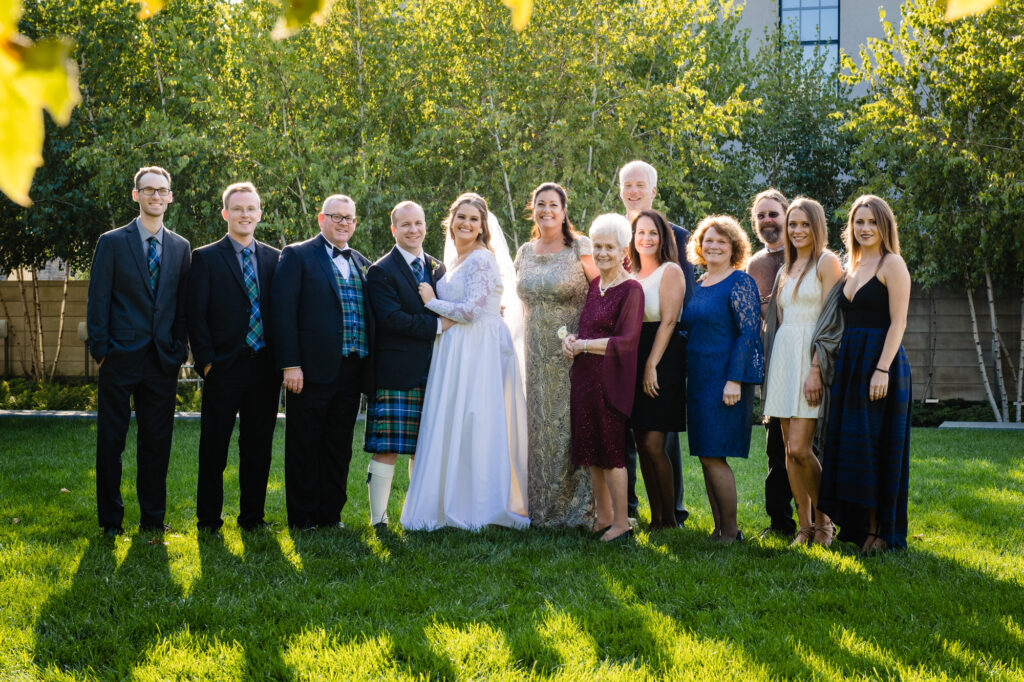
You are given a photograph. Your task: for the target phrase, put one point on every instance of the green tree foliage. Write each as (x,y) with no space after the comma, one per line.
(795,139)
(391,100)
(941,134)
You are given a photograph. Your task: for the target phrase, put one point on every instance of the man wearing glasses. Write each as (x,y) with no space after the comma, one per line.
(229,319)
(136,323)
(323,329)
(768,218)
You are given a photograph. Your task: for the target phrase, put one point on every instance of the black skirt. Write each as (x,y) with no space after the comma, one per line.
(667,412)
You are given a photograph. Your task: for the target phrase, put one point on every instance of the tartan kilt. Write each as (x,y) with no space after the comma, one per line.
(393,421)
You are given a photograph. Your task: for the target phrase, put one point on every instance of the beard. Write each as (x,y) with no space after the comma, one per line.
(769,233)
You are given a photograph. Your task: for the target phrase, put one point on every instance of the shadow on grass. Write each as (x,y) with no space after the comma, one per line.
(110,609)
(454,605)
(451,603)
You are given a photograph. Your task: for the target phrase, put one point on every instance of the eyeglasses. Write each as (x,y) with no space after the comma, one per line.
(341,218)
(150,191)
(769,214)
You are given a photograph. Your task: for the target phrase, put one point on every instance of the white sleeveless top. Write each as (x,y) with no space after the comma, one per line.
(652,301)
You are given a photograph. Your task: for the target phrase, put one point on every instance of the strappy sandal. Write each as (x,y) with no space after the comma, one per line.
(869,548)
(804,536)
(823,535)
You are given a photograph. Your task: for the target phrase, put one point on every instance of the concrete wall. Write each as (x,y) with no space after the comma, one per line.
(858,21)
(938,341)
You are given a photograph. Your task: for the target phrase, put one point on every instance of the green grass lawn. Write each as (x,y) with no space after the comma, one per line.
(503,604)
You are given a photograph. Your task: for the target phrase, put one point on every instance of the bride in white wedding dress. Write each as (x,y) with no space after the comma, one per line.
(470,466)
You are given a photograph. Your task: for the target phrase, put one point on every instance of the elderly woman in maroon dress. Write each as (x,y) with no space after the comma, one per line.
(603,375)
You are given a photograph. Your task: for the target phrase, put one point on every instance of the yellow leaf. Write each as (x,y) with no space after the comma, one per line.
(148,8)
(956,9)
(32,76)
(297,13)
(21,139)
(10,13)
(521,11)
(51,77)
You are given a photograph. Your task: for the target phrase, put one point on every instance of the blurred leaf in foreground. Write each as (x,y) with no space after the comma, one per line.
(33,76)
(956,9)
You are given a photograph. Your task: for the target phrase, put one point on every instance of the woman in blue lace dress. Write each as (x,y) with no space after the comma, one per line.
(725,358)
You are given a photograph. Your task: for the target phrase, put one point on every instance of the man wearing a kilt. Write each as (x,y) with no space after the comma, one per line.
(405,334)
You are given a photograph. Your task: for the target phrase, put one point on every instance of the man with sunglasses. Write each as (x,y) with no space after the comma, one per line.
(768,218)
(136,323)
(323,330)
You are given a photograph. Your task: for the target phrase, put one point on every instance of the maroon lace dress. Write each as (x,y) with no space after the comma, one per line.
(601,396)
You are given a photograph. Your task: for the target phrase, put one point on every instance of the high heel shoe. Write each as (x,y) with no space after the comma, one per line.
(824,534)
(804,536)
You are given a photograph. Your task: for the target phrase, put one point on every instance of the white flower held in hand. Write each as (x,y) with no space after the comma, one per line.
(562,332)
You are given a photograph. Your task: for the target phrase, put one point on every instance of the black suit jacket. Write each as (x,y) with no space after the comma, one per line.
(218,304)
(307,311)
(405,329)
(122,315)
(682,239)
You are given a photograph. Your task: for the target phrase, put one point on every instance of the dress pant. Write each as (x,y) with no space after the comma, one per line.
(674,457)
(777,493)
(318,447)
(247,387)
(154,390)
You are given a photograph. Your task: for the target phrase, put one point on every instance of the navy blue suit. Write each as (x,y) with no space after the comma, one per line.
(242,382)
(140,336)
(307,329)
(405,329)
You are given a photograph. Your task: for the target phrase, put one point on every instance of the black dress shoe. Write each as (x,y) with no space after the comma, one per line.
(380,526)
(112,531)
(161,528)
(253,527)
(681,516)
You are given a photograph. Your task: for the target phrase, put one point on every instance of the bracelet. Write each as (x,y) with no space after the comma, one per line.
(883,371)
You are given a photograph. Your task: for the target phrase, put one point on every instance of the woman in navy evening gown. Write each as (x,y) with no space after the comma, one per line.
(867,450)
(725,359)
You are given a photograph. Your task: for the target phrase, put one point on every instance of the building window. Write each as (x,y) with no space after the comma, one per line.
(816,23)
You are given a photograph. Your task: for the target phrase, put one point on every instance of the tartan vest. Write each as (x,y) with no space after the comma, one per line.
(353,333)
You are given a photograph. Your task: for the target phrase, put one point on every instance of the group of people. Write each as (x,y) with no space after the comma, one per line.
(523,391)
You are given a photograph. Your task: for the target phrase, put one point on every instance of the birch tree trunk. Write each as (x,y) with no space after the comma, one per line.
(40,361)
(28,360)
(997,349)
(1020,358)
(504,172)
(60,324)
(981,357)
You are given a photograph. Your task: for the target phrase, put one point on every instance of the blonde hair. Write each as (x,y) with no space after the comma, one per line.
(237,187)
(819,236)
(884,219)
(727,227)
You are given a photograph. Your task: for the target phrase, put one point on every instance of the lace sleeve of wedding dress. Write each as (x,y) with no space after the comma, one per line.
(481,278)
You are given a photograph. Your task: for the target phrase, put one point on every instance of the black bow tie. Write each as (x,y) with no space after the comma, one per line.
(335,252)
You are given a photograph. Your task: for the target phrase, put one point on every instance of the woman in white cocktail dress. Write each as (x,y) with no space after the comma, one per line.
(470,466)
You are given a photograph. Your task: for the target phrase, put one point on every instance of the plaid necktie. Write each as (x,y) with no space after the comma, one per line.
(255,336)
(417,270)
(154,263)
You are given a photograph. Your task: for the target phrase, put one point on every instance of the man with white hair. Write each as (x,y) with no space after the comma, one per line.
(638,185)
(324,330)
